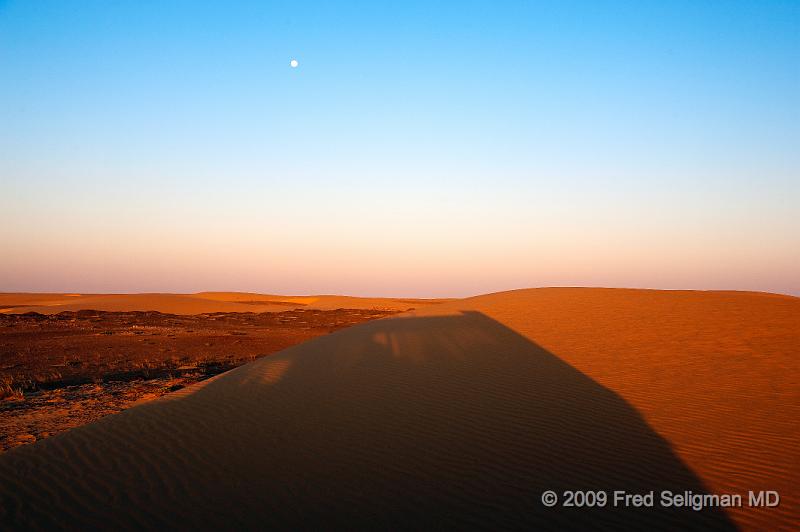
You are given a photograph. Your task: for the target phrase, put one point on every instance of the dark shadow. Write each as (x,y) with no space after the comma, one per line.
(401,423)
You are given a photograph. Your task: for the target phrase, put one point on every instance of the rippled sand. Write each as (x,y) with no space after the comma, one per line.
(458,415)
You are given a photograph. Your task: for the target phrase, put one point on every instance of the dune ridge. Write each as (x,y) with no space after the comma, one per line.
(199,303)
(456,415)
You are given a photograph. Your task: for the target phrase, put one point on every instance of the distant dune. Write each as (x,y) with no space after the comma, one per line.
(457,415)
(203,302)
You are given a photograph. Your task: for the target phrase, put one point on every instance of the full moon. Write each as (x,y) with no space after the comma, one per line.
(293,63)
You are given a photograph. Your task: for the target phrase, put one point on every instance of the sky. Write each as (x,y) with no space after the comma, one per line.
(418,149)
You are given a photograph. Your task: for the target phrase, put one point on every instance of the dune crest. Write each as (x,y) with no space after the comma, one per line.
(200,303)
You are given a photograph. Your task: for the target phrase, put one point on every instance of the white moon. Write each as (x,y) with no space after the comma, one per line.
(293,63)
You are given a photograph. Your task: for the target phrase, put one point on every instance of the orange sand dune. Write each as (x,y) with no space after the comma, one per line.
(459,415)
(196,303)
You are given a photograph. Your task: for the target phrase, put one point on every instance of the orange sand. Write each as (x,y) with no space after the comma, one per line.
(203,302)
(458,415)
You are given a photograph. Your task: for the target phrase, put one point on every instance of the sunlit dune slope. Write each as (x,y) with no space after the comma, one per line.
(715,373)
(457,416)
(203,302)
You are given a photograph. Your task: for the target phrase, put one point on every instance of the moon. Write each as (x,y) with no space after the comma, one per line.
(293,63)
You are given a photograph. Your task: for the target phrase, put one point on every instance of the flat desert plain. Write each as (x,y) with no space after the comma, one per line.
(458,414)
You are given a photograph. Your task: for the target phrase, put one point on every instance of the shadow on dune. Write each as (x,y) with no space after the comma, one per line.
(453,421)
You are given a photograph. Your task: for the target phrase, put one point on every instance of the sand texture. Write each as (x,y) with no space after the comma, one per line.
(456,416)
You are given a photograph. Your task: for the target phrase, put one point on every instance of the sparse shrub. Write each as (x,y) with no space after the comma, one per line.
(8,390)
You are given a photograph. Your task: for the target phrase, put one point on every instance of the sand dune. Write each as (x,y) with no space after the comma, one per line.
(458,415)
(203,302)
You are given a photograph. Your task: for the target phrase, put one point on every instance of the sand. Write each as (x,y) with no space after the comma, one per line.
(203,302)
(458,415)
(64,370)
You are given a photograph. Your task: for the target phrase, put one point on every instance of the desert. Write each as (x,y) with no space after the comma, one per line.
(459,413)
(399,265)
(59,371)
(64,363)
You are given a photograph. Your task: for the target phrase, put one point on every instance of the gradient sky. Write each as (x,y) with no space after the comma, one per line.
(419,149)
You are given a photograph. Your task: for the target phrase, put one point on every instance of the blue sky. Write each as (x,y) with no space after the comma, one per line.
(431,148)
